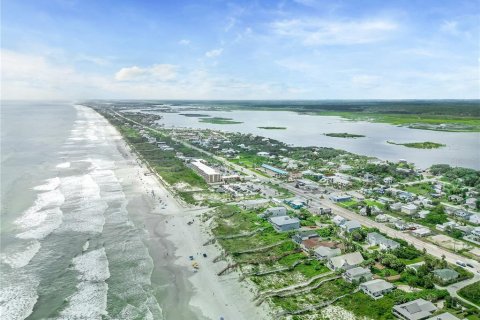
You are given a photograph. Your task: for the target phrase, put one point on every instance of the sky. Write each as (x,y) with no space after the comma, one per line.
(211,49)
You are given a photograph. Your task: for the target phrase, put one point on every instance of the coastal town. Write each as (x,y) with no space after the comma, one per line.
(320,231)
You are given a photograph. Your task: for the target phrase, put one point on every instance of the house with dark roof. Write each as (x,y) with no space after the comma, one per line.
(414,310)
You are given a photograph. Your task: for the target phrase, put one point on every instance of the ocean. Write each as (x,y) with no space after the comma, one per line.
(69,247)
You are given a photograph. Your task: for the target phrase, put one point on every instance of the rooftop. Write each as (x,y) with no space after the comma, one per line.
(279,221)
(204,168)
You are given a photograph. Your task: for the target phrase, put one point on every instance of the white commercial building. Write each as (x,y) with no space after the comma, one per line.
(208,173)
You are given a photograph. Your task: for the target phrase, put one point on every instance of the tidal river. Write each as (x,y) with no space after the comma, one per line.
(69,248)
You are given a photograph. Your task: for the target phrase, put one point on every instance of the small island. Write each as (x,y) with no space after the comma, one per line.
(419,145)
(273,128)
(219,120)
(344,135)
(195,115)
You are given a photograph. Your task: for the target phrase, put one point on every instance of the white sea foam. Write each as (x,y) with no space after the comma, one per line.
(85,203)
(17,301)
(90,299)
(52,220)
(51,184)
(92,266)
(85,246)
(63,165)
(45,204)
(20,255)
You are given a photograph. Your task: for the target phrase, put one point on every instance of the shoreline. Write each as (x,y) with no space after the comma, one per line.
(181,293)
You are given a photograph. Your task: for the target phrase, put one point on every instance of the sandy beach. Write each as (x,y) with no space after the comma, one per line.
(182,293)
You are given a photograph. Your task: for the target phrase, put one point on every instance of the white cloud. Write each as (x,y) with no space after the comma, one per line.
(184,42)
(322,32)
(214,53)
(158,72)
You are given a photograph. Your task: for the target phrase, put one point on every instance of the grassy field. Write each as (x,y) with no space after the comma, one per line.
(471,292)
(421,189)
(420,121)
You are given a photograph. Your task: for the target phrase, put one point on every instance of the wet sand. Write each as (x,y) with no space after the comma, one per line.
(181,292)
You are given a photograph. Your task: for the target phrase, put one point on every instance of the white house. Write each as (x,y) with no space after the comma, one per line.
(357,274)
(346,261)
(376,288)
(409,208)
(323,253)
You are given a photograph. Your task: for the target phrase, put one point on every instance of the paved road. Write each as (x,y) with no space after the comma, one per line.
(453,289)
(432,249)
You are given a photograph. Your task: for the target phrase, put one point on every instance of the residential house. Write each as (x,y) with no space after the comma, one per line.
(471,203)
(414,310)
(376,288)
(397,206)
(304,235)
(446,225)
(474,219)
(345,262)
(455,198)
(421,232)
(340,198)
(358,274)
(295,203)
(381,218)
(444,316)
(388,180)
(409,208)
(274,212)
(377,239)
(324,253)
(350,226)
(338,220)
(445,275)
(285,223)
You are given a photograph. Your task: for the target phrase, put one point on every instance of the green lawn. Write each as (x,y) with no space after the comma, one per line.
(471,293)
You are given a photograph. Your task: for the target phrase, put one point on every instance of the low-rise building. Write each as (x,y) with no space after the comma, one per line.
(208,173)
(421,232)
(340,198)
(376,288)
(324,253)
(274,212)
(338,220)
(409,208)
(414,310)
(345,262)
(285,223)
(350,226)
(445,275)
(444,316)
(358,274)
(304,235)
(295,203)
(377,239)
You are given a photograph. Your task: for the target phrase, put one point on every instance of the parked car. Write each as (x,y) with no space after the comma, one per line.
(461,263)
